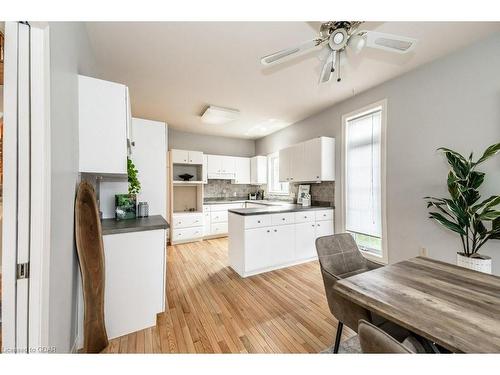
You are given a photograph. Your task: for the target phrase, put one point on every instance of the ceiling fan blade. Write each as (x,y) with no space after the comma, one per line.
(388,42)
(328,68)
(303,47)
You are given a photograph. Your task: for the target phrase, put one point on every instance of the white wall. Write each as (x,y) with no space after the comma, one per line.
(70,54)
(210,144)
(452,102)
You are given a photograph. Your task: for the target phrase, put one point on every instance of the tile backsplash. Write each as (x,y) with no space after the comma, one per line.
(225,189)
(322,192)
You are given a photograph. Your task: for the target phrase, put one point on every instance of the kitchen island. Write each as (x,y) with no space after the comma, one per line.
(266,238)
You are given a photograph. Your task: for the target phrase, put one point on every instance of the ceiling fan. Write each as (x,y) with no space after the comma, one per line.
(336,37)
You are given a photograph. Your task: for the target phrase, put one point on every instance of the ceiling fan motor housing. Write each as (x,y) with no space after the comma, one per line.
(338,39)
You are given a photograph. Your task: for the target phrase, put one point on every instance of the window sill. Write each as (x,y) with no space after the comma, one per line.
(374,258)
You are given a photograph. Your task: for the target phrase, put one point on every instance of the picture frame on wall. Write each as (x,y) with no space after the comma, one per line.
(303,190)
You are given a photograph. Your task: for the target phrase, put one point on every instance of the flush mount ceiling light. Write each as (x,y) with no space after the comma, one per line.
(218,116)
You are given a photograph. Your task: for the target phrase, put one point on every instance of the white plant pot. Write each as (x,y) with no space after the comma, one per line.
(482,264)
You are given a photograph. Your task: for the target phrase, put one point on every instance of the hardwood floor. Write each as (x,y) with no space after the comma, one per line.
(213,310)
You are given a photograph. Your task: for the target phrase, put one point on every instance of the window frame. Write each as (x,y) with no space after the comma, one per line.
(382,105)
(275,155)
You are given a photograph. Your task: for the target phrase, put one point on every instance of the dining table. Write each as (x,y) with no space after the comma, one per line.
(454,307)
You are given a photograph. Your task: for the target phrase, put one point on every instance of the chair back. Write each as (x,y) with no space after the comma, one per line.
(373,340)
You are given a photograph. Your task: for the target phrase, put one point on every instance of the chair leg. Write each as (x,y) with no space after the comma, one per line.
(337,337)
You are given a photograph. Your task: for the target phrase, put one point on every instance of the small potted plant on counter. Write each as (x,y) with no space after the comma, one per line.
(476,223)
(126,204)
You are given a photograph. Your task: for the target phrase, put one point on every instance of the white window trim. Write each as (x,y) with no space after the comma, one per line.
(269,173)
(382,104)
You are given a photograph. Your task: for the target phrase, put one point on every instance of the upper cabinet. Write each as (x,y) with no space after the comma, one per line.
(221,167)
(187,157)
(310,161)
(204,173)
(104,123)
(242,170)
(258,170)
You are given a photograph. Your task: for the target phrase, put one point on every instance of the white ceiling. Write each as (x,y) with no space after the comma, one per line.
(175,69)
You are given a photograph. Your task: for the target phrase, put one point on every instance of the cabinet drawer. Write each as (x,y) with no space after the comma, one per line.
(218,217)
(257,221)
(187,221)
(324,215)
(305,217)
(219,228)
(284,218)
(187,233)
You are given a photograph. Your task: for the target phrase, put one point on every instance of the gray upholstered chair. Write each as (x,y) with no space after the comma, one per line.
(339,257)
(374,340)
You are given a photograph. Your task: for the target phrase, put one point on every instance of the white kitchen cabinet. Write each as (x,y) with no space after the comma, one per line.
(215,218)
(187,226)
(242,170)
(324,228)
(305,236)
(265,242)
(135,280)
(204,171)
(310,161)
(187,157)
(258,170)
(221,167)
(103,120)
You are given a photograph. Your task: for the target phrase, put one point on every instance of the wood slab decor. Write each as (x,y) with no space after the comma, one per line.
(91,255)
(452,306)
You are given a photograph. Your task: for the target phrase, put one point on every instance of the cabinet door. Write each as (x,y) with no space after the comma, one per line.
(258,170)
(296,163)
(180,156)
(282,245)
(312,153)
(102,124)
(242,170)
(305,236)
(195,157)
(228,165)
(284,164)
(214,164)
(204,170)
(206,223)
(324,228)
(257,248)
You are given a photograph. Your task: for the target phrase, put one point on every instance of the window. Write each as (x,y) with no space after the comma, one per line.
(274,185)
(364,173)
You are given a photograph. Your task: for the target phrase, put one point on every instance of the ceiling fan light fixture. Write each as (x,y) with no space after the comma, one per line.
(213,115)
(357,43)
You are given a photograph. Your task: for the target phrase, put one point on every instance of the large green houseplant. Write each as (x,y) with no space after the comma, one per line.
(475,222)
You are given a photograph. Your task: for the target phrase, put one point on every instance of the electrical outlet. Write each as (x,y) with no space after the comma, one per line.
(423,252)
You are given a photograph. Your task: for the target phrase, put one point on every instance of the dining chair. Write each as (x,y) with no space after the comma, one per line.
(372,339)
(339,258)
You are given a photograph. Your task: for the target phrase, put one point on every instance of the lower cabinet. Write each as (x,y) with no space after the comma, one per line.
(261,243)
(187,226)
(135,274)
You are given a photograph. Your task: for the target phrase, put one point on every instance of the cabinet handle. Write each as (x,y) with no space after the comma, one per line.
(283,219)
(275,230)
(318,225)
(317,176)
(268,231)
(305,217)
(312,225)
(258,221)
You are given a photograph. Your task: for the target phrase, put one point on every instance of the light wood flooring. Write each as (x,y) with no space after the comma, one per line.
(213,310)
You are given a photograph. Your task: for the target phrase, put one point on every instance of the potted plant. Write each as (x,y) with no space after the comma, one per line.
(126,204)
(476,223)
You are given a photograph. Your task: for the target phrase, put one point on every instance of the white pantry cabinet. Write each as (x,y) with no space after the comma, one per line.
(258,170)
(103,126)
(242,170)
(187,157)
(310,161)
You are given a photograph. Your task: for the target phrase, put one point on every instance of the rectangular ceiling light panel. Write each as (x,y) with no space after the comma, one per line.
(218,116)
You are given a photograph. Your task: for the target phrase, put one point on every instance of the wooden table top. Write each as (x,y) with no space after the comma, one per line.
(450,305)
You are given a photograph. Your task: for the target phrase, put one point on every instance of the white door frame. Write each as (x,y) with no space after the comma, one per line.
(26,195)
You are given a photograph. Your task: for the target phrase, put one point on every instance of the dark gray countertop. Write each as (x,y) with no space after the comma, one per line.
(112,226)
(276,209)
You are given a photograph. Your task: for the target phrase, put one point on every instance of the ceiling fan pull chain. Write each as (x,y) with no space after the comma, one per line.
(338,69)
(334,59)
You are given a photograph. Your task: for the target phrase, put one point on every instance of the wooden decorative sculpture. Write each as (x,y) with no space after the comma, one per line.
(91,255)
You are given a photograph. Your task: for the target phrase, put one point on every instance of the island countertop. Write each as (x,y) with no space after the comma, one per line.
(140,224)
(277,209)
